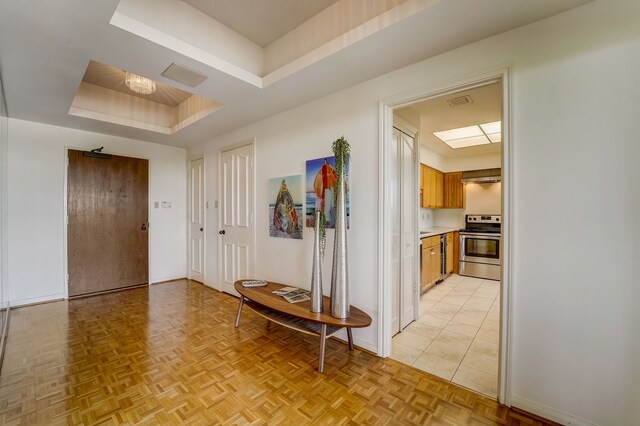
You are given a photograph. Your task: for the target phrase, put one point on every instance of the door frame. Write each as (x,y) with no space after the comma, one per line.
(65,223)
(204,216)
(385,125)
(221,150)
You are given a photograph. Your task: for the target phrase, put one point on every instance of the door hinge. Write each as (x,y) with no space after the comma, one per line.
(67,278)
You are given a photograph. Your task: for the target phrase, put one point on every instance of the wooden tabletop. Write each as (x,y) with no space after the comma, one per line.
(264,296)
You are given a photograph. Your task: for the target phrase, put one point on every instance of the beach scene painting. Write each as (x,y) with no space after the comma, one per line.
(319,187)
(285,207)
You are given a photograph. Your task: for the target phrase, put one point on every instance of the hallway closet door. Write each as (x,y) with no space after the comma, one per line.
(404,200)
(107,216)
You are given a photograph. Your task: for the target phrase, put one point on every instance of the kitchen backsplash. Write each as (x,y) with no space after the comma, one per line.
(482,198)
(425,219)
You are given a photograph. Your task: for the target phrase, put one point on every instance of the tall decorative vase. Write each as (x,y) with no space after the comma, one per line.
(340,270)
(316,274)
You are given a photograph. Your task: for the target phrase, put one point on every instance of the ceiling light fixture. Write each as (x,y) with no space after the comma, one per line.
(480,134)
(139,84)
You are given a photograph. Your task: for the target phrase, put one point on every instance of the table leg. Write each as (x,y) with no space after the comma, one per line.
(350,336)
(239,311)
(323,339)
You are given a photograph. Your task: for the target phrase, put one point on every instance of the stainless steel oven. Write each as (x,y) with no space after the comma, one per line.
(480,247)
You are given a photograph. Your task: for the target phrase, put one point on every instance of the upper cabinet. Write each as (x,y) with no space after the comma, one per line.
(441,190)
(432,188)
(454,193)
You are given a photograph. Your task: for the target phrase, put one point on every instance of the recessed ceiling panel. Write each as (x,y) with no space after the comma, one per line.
(103,95)
(113,78)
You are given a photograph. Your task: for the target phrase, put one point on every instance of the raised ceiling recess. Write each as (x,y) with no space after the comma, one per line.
(261,21)
(103,95)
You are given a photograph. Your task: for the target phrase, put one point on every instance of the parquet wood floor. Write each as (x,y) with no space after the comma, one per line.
(169,354)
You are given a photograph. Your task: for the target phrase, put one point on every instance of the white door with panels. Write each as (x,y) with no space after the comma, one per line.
(236,216)
(196,220)
(394,172)
(408,223)
(404,239)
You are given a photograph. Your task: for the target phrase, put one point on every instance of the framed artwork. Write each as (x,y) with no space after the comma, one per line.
(285,207)
(319,186)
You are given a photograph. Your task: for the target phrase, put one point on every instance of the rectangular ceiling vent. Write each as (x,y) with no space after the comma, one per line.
(462,100)
(184,75)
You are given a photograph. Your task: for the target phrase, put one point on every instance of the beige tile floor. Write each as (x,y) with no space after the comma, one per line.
(456,335)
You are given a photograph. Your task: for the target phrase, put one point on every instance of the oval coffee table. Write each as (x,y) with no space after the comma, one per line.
(297,316)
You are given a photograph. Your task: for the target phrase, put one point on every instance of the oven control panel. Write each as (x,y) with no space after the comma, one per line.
(472,218)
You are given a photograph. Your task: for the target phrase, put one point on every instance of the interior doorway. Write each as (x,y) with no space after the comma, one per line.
(435,324)
(107,222)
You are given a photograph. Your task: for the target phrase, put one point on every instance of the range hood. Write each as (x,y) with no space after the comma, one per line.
(482,176)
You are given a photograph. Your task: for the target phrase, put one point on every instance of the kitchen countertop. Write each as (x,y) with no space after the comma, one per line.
(436,230)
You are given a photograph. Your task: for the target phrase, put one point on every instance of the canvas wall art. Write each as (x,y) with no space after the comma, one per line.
(319,186)
(285,207)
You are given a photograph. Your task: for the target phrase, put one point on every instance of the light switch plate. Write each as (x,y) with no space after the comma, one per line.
(156,204)
(166,204)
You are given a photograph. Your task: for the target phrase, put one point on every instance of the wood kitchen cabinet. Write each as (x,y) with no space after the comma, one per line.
(456,252)
(430,271)
(450,257)
(432,187)
(454,193)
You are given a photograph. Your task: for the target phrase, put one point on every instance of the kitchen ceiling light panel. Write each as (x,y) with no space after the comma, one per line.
(490,128)
(495,137)
(465,142)
(460,133)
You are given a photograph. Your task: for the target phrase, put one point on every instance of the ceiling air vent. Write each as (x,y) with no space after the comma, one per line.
(184,75)
(461,100)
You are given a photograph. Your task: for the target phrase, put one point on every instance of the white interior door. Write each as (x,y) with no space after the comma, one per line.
(395,232)
(236,216)
(408,238)
(196,220)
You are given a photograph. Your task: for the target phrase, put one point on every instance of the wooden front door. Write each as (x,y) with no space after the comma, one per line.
(107,231)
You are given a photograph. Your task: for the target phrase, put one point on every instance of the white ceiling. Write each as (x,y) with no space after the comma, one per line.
(44,52)
(261,21)
(435,115)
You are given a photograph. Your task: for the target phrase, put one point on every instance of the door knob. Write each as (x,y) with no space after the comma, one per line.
(201,229)
(144,227)
(222,232)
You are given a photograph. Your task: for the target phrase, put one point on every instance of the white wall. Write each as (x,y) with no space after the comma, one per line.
(576,349)
(36,207)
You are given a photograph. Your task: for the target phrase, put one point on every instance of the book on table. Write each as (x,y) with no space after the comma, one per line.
(293,294)
(296,298)
(287,290)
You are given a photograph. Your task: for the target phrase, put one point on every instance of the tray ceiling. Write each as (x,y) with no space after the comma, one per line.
(45,52)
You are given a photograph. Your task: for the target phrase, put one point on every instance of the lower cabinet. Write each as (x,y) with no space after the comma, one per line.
(430,271)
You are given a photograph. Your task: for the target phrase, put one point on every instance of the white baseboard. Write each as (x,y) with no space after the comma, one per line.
(548,412)
(39,299)
(167,278)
